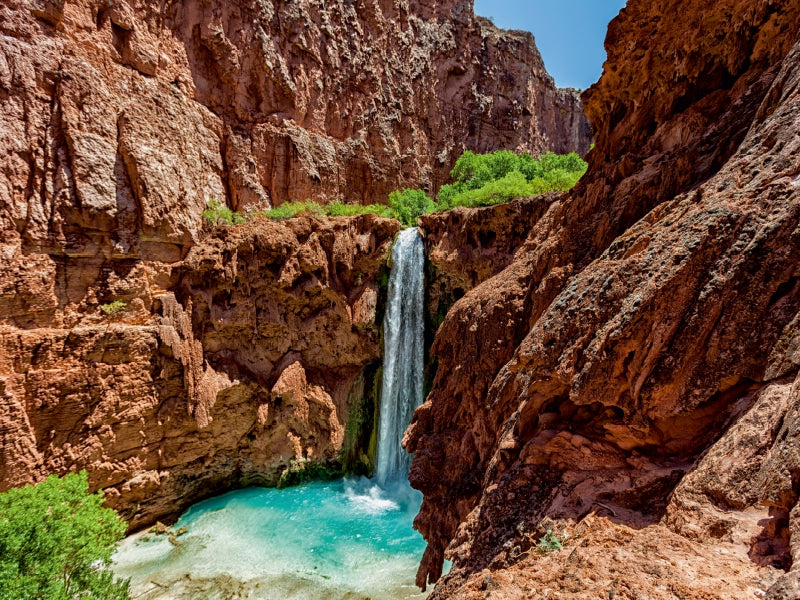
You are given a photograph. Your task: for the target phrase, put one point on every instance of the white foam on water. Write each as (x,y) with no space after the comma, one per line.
(372,502)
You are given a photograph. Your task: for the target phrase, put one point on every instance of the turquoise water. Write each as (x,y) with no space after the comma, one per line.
(343,539)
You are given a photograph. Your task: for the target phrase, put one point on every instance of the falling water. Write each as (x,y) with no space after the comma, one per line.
(325,540)
(403,330)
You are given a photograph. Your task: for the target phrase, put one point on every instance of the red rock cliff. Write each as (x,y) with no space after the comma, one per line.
(122,114)
(252,367)
(629,380)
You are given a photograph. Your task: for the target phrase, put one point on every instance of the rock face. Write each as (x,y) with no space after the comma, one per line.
(240,356)
(123,118)
(465,247)
(637,360)
(246,372)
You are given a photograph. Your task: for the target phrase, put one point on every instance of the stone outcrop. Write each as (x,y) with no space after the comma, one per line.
(245,372)
(465,247)
(636,361)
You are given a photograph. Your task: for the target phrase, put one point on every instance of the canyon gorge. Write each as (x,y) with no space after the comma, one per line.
(245,355)
(616,366)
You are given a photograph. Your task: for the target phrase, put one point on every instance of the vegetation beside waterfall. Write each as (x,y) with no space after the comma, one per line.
(477,180)
(56,542)
(486,179)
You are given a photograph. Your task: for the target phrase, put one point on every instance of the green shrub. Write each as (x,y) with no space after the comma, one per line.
(549,542)
(56,542)
(476,170)
(288,210)
(217,213)
(510,186)
(483,179)
(408,205)
(478,180)
(114,307)
(341,209)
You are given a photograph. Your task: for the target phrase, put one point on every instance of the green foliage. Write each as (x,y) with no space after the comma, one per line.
(549,542)
(478,180)
(510,186)
(484,179)
(56,542)
(217,213)
(340,209)
(113,308)
(408,205)
(288,210)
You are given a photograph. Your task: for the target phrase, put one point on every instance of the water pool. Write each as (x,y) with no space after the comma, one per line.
(346,539)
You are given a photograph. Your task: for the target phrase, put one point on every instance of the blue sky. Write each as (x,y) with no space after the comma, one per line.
(569,33)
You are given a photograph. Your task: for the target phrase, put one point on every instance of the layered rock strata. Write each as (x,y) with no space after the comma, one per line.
(637,359)
(246,371)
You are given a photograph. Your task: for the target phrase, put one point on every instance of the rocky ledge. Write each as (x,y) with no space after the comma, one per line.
(247,370)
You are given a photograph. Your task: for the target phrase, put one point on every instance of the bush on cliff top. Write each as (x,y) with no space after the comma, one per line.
(217,213)
(478,180)
(288,210)
(56,542)
(485,179)
(408,205)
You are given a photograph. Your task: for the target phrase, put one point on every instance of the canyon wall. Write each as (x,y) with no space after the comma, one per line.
(118,114)
(628,382)
(243,355)
(247,371)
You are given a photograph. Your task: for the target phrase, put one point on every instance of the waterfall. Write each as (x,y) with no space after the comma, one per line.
(403,332)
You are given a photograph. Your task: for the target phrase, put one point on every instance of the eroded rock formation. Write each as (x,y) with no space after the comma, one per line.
(465,247)
(637,360)
(246,372)
(126,117)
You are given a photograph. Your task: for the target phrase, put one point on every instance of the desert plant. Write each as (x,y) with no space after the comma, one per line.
(217,213)
(114,307)
(342,209)
(549,542)
(56,542)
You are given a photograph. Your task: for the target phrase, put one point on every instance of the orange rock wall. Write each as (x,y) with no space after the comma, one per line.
(244,372)
(648,311)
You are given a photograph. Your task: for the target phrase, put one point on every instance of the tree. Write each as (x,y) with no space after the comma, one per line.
(56,542)
(408,205)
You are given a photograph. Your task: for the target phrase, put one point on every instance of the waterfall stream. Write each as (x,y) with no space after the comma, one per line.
(351,538)
(403,331)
